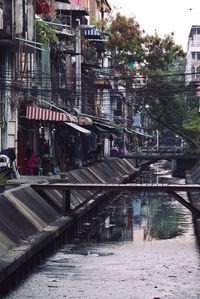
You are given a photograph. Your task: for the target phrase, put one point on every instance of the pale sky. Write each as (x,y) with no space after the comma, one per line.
(163,16)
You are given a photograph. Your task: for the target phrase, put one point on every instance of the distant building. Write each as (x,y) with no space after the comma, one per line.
(193,58)
(193,55)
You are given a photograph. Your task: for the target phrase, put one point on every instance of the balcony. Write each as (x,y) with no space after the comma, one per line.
(194,45)
(90,56)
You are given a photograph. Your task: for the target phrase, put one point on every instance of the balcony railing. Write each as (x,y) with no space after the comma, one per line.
(194,44)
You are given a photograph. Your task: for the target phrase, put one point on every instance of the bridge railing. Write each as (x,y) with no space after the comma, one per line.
(171,189)
(160,150)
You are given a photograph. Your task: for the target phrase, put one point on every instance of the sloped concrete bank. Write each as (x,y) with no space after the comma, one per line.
(32,225)
(193,177)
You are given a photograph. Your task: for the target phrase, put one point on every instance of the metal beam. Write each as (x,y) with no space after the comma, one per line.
(170,189)
(185,203)
(118,187)
(159,156)
(66,196)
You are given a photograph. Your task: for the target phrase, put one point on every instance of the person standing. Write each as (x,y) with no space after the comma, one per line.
(31,163)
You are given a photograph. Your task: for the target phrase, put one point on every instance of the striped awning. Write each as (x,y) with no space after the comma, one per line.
(38,113)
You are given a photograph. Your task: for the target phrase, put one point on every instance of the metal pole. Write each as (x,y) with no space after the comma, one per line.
(157,137)
(78,71)
(66,195)
(79,27)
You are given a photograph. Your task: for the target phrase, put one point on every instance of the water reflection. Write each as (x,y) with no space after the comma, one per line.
(142,216)
(145,217)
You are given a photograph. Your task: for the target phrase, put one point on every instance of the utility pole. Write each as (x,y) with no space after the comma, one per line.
(102,10)
(79,27)
(78,68)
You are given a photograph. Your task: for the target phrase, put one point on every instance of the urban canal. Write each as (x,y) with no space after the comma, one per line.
(142,247)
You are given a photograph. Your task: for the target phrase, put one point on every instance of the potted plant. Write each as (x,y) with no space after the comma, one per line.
(3,181)
(63,175)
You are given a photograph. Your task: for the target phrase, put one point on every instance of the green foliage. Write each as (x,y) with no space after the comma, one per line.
(124,42)
(45,33)
(158,78)
(192,124)
(160,53)
(128,44)
(165,93)
(3,178)
(166,222)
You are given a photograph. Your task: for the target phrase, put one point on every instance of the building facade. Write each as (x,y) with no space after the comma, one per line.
(57,97)
(193,55)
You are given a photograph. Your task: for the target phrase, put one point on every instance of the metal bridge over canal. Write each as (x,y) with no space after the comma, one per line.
(182,158)
(171,189)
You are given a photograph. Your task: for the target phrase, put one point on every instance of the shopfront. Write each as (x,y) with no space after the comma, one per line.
(38,131)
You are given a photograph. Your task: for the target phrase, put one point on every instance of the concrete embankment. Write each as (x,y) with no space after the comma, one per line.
(31,221)
(193,177)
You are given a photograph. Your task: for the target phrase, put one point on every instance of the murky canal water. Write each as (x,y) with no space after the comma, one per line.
(146,249)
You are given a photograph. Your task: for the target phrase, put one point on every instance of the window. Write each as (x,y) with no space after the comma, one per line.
(198,55)
(193,55)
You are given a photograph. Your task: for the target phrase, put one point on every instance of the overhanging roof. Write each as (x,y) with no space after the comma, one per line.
(78,128)
(141,133)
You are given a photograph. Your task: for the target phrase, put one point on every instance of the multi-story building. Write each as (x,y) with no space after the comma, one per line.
(193,55)
(55,79)
(16,42)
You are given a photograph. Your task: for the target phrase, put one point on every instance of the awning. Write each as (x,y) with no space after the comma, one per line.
(142,134)
(71,7)
(84,121)
(42,6)
(100,130)
(38,113)
(79,129)
(92,33)
(106,127)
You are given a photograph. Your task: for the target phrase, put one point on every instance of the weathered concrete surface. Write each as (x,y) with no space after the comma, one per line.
(193,176)
(114,170)
(29,221)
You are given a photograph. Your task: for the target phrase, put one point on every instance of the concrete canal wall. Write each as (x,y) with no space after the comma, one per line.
(193,177)
(32,224)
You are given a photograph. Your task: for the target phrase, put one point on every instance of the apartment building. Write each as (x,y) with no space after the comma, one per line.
(193,55)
